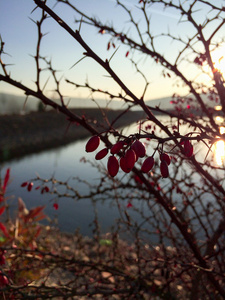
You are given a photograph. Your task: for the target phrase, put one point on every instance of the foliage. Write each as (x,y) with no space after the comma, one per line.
(163,172)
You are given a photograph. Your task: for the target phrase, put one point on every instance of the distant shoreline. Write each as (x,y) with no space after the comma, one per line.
(21,135)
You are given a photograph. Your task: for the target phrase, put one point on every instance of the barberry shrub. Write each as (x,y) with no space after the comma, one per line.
(162,177)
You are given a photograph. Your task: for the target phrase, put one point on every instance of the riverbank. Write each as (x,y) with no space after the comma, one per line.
(37,131)
(70,266)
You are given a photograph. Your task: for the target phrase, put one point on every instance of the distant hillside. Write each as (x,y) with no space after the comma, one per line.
(37,131)
(12,104)
(165,103)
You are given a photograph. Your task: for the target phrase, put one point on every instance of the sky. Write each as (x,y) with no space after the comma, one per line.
(20,36)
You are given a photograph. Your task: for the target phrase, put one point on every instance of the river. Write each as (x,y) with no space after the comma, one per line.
(62,163)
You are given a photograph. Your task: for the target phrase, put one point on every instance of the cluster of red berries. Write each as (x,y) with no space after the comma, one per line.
(130,154)
(29,186)
(44,189)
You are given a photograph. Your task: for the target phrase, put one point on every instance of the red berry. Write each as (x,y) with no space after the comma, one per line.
(123,165)
(113,166)
(164,169)
(164,156)
(56,206)
(29,187)
(117,147)
(130,158)
(129,205)
(93,143)
(101,154)
(188,148)
(24,184)
(139,148)
(148,164)
(47,189)
(138,179)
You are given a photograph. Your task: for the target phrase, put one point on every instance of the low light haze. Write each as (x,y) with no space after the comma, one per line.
(19,33)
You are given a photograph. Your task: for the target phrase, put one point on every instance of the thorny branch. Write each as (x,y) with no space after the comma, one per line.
(164,209)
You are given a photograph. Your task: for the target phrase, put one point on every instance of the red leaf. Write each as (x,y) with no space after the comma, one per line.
(35,214)
(3,229)
(38,231)
(2,209)
(6,180)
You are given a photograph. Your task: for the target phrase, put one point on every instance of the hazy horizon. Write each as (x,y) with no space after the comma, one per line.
(12,103)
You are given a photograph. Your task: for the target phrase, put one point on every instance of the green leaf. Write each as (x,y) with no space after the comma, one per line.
(2,239)
(105,242)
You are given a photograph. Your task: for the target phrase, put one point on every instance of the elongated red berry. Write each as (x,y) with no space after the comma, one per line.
(93,143)
(188,148)
(139,148)
(164,169)
(123,165)
(101,154)
(30,186)
(148,164)
(45,189)
(113,166)
(164,156)
(56,206)
(24,184)
(130,158)
(117,147)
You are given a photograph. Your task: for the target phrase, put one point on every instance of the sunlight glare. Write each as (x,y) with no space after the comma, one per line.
(218,57)
(219,119)
(219,151)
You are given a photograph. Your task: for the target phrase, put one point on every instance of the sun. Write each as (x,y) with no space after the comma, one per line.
(218,58)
